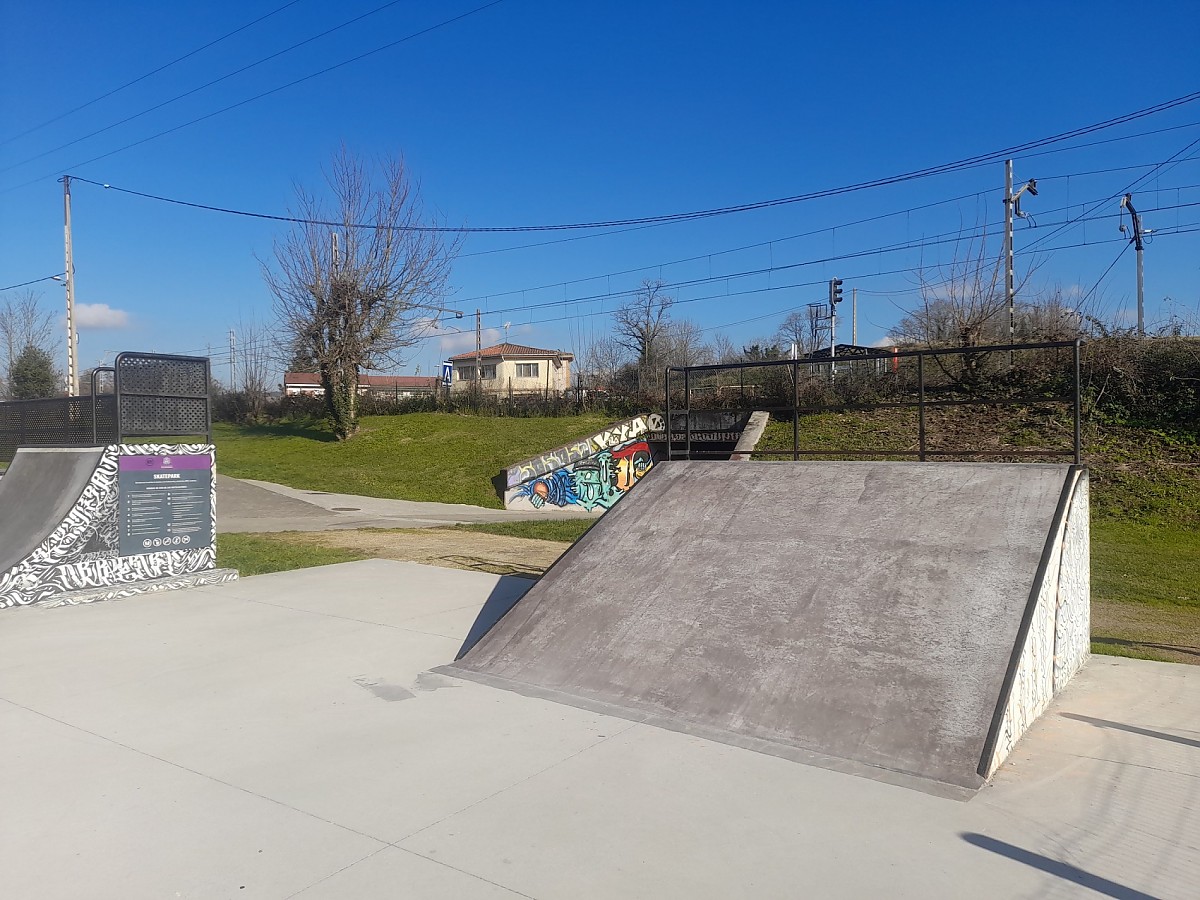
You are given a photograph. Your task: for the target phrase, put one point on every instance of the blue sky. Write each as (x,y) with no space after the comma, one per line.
(532,112)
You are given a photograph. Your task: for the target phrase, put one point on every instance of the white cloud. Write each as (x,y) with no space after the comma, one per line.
(457,343)
(99,315)
(886,341)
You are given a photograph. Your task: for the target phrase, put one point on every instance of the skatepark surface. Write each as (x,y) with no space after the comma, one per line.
(282,736)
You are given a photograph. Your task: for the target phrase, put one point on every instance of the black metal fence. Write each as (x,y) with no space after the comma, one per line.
(909,403)
(147,395)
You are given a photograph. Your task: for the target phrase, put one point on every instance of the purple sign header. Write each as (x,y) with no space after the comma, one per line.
(164,463)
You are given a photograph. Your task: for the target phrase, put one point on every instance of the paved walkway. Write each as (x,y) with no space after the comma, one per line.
(282,736)
(245,505)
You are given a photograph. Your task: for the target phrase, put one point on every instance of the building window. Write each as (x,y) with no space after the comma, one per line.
(527,370)
(467,373)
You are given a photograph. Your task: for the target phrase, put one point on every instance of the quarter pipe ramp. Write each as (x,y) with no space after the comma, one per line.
(893,619)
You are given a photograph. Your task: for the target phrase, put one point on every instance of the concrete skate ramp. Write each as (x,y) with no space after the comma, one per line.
(862,613)
(36,493)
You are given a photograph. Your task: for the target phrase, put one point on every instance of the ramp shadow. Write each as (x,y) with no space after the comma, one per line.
(1132,729)
(1065,871)
(504,596)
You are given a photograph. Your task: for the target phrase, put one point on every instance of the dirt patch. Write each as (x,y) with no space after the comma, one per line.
(1171,634)
(449,548)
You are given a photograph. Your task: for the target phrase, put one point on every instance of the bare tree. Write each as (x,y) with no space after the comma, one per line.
(807,328)
(685,344)
(350,294)
(963,304)
(641,326)
(602,361)
(723,349)
(23,323)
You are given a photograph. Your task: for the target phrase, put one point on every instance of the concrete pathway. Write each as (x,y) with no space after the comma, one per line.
(246,505)
(282,736)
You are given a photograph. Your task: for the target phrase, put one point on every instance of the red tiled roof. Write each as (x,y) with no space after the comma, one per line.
(374,381)
(513,350)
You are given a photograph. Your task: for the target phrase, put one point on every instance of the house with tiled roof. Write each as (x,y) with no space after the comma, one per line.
(513,369)
(386,385)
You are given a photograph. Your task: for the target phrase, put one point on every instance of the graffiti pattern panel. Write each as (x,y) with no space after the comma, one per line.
(593,484)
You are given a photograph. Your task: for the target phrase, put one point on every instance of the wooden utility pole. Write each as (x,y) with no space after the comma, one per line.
(72,339)
(232,360)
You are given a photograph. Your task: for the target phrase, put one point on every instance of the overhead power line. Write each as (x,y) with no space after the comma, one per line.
(267,93)
(697,214)
(46,278)
(207,84)
(149,74)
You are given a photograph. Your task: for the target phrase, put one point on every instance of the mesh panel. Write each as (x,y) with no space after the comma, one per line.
(162,376)
(162,395)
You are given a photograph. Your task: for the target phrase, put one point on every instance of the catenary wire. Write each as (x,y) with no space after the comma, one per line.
(267,93)
(206,85)
(943,168)
(149,74)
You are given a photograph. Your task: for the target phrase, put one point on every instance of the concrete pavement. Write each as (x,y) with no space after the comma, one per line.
(260,506)
(281,736)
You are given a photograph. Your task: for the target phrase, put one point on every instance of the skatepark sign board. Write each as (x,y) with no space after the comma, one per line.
(165,502)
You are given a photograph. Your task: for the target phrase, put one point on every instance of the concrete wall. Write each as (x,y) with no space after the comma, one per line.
(1058,642)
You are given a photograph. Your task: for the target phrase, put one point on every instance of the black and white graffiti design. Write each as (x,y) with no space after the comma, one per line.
(81,552)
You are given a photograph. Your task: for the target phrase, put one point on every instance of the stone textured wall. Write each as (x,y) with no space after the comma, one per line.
(1059,635)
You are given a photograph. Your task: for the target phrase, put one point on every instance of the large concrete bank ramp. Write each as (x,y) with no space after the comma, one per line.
(896,619)
(36,493)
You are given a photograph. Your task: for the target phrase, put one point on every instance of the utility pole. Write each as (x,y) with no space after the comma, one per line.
(1138,245)
(72,339)
(232,360)
(854,317)
(478,354)
(1012,206)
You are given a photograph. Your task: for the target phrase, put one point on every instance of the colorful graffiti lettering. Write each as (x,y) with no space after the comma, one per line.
(609,439)
(596,482)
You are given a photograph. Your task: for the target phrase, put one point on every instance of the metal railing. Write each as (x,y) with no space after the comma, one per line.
(926,380)
(152,395)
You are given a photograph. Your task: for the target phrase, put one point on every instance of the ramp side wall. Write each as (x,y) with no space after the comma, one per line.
(81,551)
(1057,644)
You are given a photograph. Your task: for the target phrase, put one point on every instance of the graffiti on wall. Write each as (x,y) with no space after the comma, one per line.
(593,484)
(611,438)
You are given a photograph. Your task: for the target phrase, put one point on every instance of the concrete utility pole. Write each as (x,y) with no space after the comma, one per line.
(854,317)
(1012,206)
(1138,245)
(72,338)
(478,353)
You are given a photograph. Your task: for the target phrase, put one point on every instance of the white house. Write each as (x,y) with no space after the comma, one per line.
(514,369)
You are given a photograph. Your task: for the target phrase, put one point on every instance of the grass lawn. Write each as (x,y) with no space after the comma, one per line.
(566,531)
(438,457)
(259,554)
(1145,495)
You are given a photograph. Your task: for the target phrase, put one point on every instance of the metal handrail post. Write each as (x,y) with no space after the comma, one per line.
(667,381)
(921,407)
(687,414)
(795,410)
